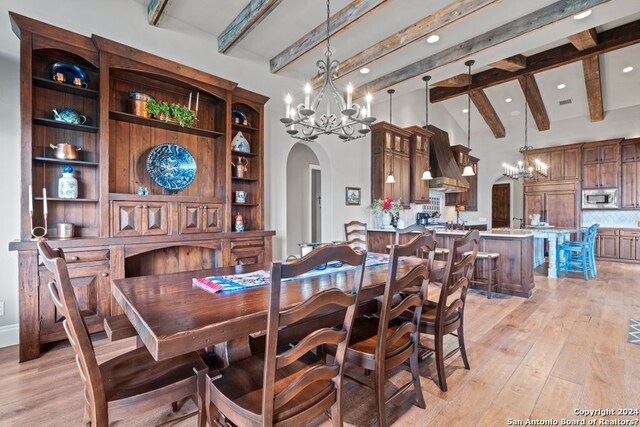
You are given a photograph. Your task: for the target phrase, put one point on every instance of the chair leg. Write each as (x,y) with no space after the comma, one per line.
(442,380)
(463,348)
(585,273)
(336,414)
(413,360)
(202,398)
(490,276)
(380,400)
(559,263)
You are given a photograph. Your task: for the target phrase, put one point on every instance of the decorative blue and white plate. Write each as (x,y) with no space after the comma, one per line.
(239,114)
(70,71)
(171,166)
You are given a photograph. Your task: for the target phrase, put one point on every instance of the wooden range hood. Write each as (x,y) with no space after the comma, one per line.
(447,177)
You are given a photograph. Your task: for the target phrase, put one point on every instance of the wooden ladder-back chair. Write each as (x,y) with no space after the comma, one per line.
(291,386)
(383,342)
(355,234)
(446,316)
(422,252)
(129,383)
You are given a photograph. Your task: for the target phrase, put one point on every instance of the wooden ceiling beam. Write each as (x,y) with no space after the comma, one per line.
(547,15)
(591,67)
(534,101)
(614,39)
(339,22)
(155,9)
(488,113)
(513,63)
(445,17)
(246,21)
(584,39)
(456,81)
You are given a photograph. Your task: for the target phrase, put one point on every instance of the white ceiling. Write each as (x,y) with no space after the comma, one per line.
(294,18)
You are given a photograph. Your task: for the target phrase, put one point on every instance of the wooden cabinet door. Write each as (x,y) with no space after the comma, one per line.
(590,155)
(388,188)
(154,218)
(405,179)
(609,153)
(556,166)
(629,185)
(127,219)
(608,174)
(628,152)
(533,203)
(596,249)
(561,209)
(637,248)
(545,158)
(420,188)
(572,165)
(212,218)
(248,256)
(472,193)
(628,247)
(590,176)
(190,218)
(609,247)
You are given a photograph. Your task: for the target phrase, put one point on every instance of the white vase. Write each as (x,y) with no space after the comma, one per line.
(386,220)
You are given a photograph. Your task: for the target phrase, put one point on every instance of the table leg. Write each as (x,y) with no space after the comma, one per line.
(552,256)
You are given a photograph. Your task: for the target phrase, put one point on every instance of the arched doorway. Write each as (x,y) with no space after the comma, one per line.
(304,201)
(506,203)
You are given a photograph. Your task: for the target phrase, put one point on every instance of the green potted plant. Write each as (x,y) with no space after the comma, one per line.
(183,115)
(159,110)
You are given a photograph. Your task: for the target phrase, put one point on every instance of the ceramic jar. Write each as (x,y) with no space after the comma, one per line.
(67,184)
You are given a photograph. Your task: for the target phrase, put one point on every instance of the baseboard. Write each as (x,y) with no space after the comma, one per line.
(9,335)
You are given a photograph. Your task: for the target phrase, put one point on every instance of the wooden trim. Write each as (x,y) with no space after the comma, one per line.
(456,81)
(608,41)
(516,28)
(246,21)
(447,16)
(593,85)
(392,128)
(513,63)
(535,102)
(488,113)
(347,16)
(585,39)
(155,8)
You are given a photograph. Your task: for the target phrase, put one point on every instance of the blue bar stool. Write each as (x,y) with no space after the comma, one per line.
(579,255)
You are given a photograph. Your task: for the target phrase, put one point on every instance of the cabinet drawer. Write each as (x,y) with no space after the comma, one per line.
(247,243)
(86,256)
(624,232)
(608,231)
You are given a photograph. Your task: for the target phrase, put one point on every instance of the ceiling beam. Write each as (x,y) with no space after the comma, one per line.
(488,113)
(584,39)
(247,20)
(448,15)
(455,81)
(513,63)
(591,67)
(347,16)
(155,9)
(516,28)
(616,38)
(534,101)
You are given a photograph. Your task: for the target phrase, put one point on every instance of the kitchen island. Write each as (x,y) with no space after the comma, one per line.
(514,246)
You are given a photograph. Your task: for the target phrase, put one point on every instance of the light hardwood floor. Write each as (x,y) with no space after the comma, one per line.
(562,349)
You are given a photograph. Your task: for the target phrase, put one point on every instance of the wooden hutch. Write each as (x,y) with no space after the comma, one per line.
(118,232)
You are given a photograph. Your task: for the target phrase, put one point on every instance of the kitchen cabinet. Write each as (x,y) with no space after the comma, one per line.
(419,162)
(629,185)
(200,218)
(467,198)
(618,244)
(630,245)
(133,218)
(390,147)
(601,165)
(557,203)
(563,162)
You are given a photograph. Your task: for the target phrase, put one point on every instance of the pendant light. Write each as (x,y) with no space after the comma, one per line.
(426,175)
(468,169)
(390,178)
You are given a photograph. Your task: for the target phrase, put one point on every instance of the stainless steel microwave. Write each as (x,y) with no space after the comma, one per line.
(604,198)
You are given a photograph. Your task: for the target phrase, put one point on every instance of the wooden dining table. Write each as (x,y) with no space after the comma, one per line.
(172,317)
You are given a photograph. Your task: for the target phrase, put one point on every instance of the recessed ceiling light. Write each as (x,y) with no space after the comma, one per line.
(508,100)
(561,86)
(582,15)
(364,70)
(465,110)
(627,69)
(433,38)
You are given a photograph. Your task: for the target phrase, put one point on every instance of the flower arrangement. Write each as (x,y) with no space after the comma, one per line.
(387,205)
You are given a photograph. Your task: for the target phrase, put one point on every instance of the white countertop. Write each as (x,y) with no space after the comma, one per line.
(507,233)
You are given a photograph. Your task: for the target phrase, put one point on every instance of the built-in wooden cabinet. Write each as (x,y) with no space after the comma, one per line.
(469,198)
(607,243)
(390,146)
(618,244)
(419,162)
(557,203)
(630,174)
(125,223)
(630,245)
(601,165)
(564,162)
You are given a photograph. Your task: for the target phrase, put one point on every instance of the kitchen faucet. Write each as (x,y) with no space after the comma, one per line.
(521,221)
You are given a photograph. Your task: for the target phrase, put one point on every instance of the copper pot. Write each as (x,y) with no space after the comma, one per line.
(65,151)
(138,104)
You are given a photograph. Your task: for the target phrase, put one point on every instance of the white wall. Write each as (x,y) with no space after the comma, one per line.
(298,196)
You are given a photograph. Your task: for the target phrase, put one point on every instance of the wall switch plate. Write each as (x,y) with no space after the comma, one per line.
(1,308)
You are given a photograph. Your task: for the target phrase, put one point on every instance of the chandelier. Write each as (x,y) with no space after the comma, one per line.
(345,119)
(524,169)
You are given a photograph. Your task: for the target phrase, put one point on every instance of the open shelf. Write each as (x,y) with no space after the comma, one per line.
(64,125)
(131,118)
(245,204)
(237,178)
(66,162)
(243,128)
(242,153)
(57,199)
(64,87)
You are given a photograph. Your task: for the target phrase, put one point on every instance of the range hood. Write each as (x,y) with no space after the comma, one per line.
(447,177)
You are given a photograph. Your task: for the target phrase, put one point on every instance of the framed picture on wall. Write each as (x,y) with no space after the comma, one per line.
(352,196)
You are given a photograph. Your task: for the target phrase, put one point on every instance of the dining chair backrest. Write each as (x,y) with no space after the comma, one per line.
(590,235)
(394,308)
(355,234)
(65,301)
(458,271)
(422,252)
(278,318)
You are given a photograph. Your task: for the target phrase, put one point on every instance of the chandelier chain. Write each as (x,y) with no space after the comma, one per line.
(328,53)
(469,108)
